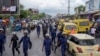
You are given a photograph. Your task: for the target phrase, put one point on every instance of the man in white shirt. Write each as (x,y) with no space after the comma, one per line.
(93,29)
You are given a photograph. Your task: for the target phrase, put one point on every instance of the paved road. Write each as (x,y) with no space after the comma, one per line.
(36,48)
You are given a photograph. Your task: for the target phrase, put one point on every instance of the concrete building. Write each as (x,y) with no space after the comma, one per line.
(8,6)
(92,5)
(34,11)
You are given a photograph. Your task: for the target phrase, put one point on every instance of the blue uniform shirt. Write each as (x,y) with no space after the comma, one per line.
(47,43)
(26,42)
(59,35)
(2,39)
(53,33)
(38,28)
(63,42)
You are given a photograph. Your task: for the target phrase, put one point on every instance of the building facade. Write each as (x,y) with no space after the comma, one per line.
(34,11)
(9,6)
(92,5)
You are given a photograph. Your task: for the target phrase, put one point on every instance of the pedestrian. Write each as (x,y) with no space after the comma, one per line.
(50,29)
(53,35)
(59,35)
(14,43)
(63,42)
(2,40)
(26,43)
(92,31)
(47,44)
(45,29)
(87,31)
(29,29)
(38,28)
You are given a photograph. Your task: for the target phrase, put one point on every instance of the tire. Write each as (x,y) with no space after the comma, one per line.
(73,53)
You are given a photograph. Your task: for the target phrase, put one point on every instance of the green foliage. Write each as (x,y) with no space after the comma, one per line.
(80,8)
(38,16)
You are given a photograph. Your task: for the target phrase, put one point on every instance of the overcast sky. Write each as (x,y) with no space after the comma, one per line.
(52,7)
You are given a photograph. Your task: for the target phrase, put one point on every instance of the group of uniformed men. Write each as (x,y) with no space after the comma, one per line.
(48,44)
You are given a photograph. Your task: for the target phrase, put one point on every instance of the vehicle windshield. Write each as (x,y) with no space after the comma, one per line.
(70,27)
(87,42)
(85,23)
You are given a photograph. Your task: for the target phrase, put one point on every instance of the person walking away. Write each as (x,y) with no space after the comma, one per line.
(59,35)
(50,29)
(53,35)
(63,42)
(29,29)
(14,43)
(26,43)
(2,39)
(38,30)
(47,44)
(93,30)
(45,29)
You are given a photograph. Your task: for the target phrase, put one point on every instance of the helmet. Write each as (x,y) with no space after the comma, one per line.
(13,33)
(25,31)
(47,34)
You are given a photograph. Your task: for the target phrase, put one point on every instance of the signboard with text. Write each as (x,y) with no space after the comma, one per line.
(9,6)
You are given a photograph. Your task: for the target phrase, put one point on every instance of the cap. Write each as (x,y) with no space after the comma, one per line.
(13,32)
(47,35)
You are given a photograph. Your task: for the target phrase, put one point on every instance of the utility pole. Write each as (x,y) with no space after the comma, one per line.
(68,7)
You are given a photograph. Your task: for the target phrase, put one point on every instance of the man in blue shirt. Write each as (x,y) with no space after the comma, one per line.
(38,29)
(63,42)
(59,35)
(2,40)
(53,35)
(47,44)
(26,43)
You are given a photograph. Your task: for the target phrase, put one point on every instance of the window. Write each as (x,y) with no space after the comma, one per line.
(73,39)
(87,42)
(70,27)
(85,23)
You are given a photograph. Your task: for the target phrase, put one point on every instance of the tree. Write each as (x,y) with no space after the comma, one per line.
(80,9)
(21,7)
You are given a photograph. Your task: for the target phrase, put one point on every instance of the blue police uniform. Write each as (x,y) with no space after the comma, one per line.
(63,42)
(2,39)
(47,43)
(53,35)
(50,29)
(59,35)
(38,29)
(26,44)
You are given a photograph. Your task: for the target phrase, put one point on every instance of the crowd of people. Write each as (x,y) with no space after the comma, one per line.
(50,34)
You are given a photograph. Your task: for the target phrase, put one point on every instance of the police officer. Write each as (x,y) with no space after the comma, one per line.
(38,29)
(26,43)
(2,39)
(47,44)
(63,42)
(50,29)
(14,43)
(59,35)
(45,29)
(53,35)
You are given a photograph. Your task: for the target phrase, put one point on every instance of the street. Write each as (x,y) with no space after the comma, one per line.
(36,46)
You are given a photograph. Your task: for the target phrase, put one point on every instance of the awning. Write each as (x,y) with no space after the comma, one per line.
(98,14)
